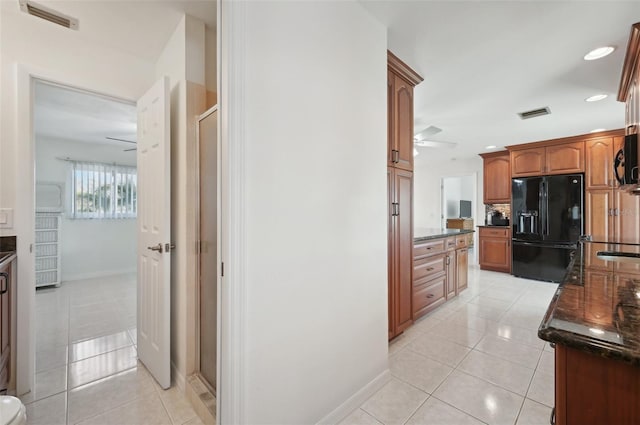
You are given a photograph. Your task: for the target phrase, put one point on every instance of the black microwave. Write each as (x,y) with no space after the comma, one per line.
(625,163)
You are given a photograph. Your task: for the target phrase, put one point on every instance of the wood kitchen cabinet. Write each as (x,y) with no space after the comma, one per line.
(594,390)
(400,82)
(400,249)
(600,152)
(7,273)
(451,268)
(560,158)
(495,249)
(430,274)
(497,177)
(462,269)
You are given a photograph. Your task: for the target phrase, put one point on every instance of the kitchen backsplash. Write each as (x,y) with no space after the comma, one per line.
(505,209)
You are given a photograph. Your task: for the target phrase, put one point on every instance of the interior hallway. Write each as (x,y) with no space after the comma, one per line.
(86,362)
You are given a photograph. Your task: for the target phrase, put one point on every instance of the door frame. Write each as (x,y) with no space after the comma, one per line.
(474,208)
(218,247)
(25,202)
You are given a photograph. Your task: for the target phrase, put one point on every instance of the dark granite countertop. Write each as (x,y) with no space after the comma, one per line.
(421,234)
(597,307)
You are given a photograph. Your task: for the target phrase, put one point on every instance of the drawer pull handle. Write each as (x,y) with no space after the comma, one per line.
(430,296)
(429,247)
(429,269)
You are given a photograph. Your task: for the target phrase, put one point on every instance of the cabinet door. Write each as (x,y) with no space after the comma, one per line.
(391,253)
(497,180)
(627,218)
(462,269)
(598,214)
(391,125)
(403,123)
(404,248)
(5,328)
(599,169)
(564,159)
(495,254)
(451,274)
(527,162)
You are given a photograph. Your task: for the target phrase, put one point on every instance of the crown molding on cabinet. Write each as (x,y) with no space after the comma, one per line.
(630,66)
(402,69)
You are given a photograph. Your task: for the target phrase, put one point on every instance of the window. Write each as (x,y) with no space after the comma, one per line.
(103,190)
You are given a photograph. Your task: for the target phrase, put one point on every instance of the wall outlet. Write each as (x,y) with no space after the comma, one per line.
(6,218)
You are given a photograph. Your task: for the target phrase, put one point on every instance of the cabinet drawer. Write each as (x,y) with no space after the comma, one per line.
(461,241)
(427,248)
(429,294)
(451,243)
(494,232)
(428,266)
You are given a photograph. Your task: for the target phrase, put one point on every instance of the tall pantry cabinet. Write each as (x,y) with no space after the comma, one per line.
(400,83)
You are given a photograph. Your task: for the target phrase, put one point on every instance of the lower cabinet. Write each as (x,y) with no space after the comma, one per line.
(6,280)
(495,249)
(593,390)
(440,268)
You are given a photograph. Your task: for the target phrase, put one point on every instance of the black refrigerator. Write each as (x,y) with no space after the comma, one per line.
(547,220)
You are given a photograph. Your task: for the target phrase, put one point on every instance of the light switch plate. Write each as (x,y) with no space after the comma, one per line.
(6,218)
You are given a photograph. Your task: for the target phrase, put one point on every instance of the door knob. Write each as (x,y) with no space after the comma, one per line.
(156,248)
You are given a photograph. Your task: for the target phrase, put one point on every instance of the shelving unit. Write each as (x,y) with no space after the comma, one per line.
(47,248)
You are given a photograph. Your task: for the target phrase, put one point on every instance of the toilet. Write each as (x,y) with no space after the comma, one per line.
(12,411)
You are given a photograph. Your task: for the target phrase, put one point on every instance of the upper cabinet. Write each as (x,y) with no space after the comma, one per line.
(400,83)
(497,177)
(599,170)
(564,158)
(629,91)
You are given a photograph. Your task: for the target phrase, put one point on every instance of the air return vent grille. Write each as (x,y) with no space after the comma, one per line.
(534,113)
(48,14)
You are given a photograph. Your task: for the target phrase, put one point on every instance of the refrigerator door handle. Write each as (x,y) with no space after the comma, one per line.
(543,207)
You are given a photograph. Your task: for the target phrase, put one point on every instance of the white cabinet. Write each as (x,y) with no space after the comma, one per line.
(47,248)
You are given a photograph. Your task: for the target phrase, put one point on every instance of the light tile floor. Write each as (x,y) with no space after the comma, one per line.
(475,360)
(86,362)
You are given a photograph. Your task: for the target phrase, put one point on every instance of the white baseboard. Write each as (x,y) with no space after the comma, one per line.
(94,275)
(177,378)
(356,400)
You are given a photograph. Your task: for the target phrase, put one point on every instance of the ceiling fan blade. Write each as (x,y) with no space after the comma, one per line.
(428,132)
(120,140)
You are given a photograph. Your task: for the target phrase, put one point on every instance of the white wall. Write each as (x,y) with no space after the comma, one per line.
(316,226)
(183,60)
(66,54)
(90,248)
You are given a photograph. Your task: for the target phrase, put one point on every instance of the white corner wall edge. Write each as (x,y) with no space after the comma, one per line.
(94,275)
(356,400)
(232,289)
(177,378)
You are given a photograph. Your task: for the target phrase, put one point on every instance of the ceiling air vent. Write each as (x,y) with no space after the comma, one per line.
(534,113)
(48,14)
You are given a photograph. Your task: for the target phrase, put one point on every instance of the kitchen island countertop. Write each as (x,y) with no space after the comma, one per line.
(421,234)
(596,315)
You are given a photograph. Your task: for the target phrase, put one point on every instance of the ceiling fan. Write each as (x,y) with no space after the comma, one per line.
(123,140)
(422,140)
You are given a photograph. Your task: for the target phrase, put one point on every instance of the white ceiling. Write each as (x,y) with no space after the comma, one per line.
(66,114)
(483,62)
(139,27)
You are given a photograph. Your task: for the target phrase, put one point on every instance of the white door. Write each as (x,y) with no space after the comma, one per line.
(154,232)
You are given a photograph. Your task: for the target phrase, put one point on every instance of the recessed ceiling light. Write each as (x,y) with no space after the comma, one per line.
(598,53)
(596,97)
(490,147)
(597,130)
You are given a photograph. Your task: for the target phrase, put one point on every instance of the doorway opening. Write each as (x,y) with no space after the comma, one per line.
(85,239)
(458,205)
